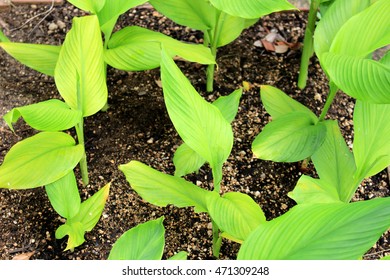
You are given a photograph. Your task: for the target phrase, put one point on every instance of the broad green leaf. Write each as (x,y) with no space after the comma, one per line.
(80,70)
(228,105)
(39,160)
(291,137)
(363,79)
(85,220)
(199,14)
(320,231)
(252,8)
(42,58)
(200,124)
(162,189)
(365,32)
(335,163)
(371,145)
(135,48)
(186,160)
(278,104)
(236,214)
(386,258)
(51,115)
(143,242)
(92,6)
(309,190)
(181,256)
(3,38)
(111,11)
(64,195)
(229,28)
(336,16)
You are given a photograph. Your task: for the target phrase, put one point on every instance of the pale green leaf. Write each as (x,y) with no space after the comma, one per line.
(278,104)
(42,58)
(291,137)
(252,8)
(199,14)
(371,145)
(336,16)
(230,27)
(386,258)
(385,60)
(80,70)
(186,160)
(85,220)
(200,124)
(3,38)
(39,160)
(92,6)
(144,242)
(51,115)
(64,195)
(335,163)
(363,79)
(181,256)
(162,189)
(235,213)
(322,231)
(135,48)
(365,32)
(111,11)
(309,190)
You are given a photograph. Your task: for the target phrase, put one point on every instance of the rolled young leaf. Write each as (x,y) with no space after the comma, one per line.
(39,160)
(200,124)
(371,146)
(144,242)
(236,214)
(85,220)
(50,115)
(42,58)
(327,231)
(64,196)
(135,49)
(80,70)
(291,137)
(252,8)
(162,189)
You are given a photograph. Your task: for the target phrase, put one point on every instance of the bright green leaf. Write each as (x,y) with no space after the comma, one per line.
(135,48)
(80,70)
(278,104)
(320,231)
(230,27)
(39,160)
(386,258)
(85,220)
(371,145)
(92,6)
(64,196)
(235,213)
(181,256)
(291,137)
(3,38)
(200,124)
(309,190)
(143,242)
(42,58)
(228,105)
(162,189)
(365,32)
(335,163)
(51,115)
(199,14)
(186,160)
(252,8)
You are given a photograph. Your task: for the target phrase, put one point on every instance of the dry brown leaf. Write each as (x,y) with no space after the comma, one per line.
(268,46)
(24,256)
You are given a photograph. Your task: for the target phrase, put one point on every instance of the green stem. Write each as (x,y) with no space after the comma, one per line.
(308,49)
(83,161)
(332,93)
(217,240)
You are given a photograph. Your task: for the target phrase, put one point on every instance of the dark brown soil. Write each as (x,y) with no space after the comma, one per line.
(137,127)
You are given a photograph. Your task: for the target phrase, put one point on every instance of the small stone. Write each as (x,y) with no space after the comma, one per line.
(34,7)
(150,141)
(61,24)
(317,97)
(53,26)
(284,206)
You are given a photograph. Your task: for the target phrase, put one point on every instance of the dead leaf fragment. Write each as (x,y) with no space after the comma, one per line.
(24,256)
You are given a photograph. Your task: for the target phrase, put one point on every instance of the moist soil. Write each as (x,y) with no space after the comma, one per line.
(136,127)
